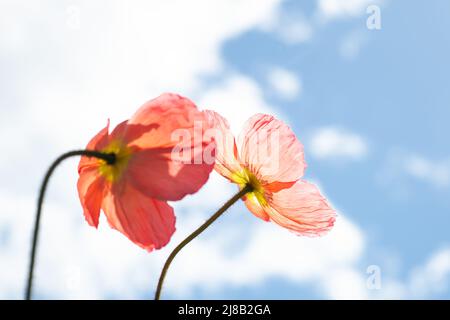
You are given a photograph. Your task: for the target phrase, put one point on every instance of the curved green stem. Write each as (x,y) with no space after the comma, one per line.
(108,157)
(193,235)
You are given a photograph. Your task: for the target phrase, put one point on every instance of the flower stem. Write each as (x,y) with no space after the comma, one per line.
(194,234)
(108,157)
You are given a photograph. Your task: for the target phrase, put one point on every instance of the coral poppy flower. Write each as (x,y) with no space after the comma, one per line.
(132,192)
(268,157)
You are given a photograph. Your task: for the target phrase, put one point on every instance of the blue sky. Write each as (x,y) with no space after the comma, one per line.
(395,94)
(369,105)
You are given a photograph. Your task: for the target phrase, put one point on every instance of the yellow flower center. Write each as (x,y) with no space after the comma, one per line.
(244,178)
(113,172)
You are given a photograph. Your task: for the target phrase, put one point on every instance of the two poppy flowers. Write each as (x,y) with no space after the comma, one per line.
(166,151)
(133,190)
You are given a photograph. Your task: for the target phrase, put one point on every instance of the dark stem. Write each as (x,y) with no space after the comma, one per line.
(108,157)
(194,234)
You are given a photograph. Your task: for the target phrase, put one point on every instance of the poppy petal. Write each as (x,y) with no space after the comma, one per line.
(227,163)
(301,209)
(253,205)
(270,150)
(98,142)
(147,222)
(90,190)
(119,132)
(164,115)
(157,174)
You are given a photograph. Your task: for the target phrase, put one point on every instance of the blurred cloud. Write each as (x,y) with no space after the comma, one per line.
(345,283)
(271,252)
(337,143)
(134,51)
(401,167)
(337,9)
(284,83)
(290,27)
(422,282)
(436,173)
(237,98)
(351,45)
(433,277)
(77,261)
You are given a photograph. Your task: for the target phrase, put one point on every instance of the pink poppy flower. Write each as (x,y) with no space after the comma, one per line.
(133,192)
(268,157)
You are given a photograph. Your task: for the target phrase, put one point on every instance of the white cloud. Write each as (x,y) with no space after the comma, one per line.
(295,32)
(237,98)
(76,261)
(423,282)
(120,56)
(403,172)
(436,173)
(271,252)
(345,283)
(351,45)
(337,143)
(285,83)
(69,81)
(335,9)
(291,27)
(433,277)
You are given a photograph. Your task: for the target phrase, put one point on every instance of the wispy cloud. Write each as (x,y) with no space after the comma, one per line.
(290,27)
(425,281)
(237,97)
(433,277)
(337,9)
(436,173)
(284,83)
(403,167)
(351,44)
(337,143)
(77,261)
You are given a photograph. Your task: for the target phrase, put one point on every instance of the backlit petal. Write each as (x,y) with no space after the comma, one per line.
(119,132)
(255,207)
(167,116)
(147,222)
(301,209)
(90,190)
(98,142)
(126,133)
(157,174)
(270,150)
(227,163)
